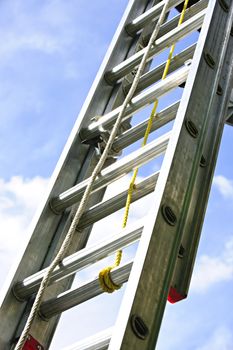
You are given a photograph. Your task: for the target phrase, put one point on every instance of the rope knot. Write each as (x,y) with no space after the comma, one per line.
(106,281)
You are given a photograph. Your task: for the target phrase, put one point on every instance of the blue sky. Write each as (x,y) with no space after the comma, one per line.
(50,52)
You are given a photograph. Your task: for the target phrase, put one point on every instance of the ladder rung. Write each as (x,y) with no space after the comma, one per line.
(112,173)
(162,43)
(138,102)
(137,132)
(105,208)
(155,74)
(77,261)
(173,23)
(83,293)
(147,17)
(99,341)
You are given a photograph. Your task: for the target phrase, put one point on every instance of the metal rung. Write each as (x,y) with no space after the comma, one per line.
(147,17)
(138,102)
(155,74)
(162,43)
(99,341)
(137,132)
(77,261)
(105,208)
(173,23)
(79,295)
(112,173)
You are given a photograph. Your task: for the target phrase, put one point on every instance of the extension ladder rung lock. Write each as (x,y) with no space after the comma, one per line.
(188,133)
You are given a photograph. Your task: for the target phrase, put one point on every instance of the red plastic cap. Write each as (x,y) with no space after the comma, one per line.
(174,296)
(32,344)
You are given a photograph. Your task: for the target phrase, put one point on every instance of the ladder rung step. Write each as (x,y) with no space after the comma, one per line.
(112,173)
(173,23)
(137,132)
(105,208)
(138,102)
(99,341)
(83,293)
(150,15)
(155,74)
(161,44)
(77,261)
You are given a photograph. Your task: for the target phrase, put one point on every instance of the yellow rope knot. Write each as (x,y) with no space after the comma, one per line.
(106,281)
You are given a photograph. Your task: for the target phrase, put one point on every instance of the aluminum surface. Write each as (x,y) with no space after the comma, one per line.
(107,207)
(137,132)
(192,229)
(147,288)
(80,260)
(156,73)
(189,13)
(85,292)
(147,17)
(137,103)
(113,172)
(162,43)
(76,163)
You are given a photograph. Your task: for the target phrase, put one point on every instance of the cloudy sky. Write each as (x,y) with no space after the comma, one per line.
(50,52)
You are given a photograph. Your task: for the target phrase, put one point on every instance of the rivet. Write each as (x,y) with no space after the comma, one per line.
(224,5)
(203,162)
(169,215)
(139,327)
(219,90)
(209,60)
(191,128)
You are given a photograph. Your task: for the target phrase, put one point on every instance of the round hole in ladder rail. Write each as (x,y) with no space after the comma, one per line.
(181,252)
(219,91)
(209,60)
(169,215)
(203,162)
(191,128)
(139,327)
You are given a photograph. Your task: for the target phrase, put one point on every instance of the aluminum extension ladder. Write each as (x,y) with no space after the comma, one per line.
(169,236)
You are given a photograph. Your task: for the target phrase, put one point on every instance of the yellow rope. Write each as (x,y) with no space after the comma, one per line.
(105,280)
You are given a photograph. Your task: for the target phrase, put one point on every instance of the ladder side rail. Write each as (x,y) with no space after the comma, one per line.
(192,230)
(39,327)
(72,298)
(64,176)
(162,235)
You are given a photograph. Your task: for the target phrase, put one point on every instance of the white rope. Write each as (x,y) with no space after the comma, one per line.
(66,243)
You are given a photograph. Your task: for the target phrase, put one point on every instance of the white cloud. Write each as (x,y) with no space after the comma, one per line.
(46,28)
(29,41)
(222,339)
(224,185)
(19,198)
(211,270)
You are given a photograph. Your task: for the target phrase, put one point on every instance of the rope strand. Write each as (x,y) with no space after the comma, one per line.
(67,241)
(104,275)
